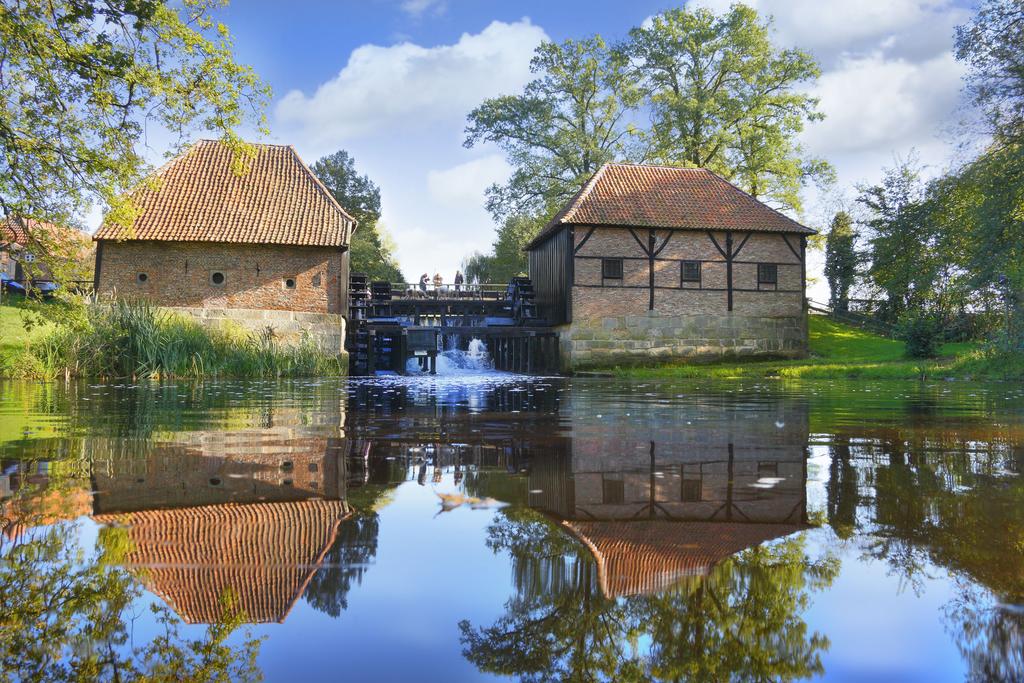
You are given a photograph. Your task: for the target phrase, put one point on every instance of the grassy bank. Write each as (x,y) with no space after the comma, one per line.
(22,323)
(839,351)
(135,340)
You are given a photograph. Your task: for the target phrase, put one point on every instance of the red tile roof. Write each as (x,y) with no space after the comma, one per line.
(667,197)
(198,197)
(14,230)
(648,556)
(264,553)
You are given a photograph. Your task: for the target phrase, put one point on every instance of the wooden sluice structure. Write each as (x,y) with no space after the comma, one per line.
(390,324)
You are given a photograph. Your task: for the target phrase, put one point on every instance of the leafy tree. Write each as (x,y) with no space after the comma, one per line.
(80,82)
(978,213)
(508,258)
(992,44)
(566,123)
(901,251)
(840,261)
(513,236)
(370,252)
(724,98)
(479,266)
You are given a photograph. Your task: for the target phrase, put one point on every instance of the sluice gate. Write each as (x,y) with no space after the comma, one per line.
(395,327)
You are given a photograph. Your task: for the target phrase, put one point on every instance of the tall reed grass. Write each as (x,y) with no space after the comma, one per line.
(133,339)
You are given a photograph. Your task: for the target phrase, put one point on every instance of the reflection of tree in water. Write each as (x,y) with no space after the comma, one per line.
(343,566)
(64,617)
(742,622)
(949,501)
(990,635)
(842,489)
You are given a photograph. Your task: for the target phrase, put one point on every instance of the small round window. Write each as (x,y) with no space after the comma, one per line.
(289,283)
(142,278)
(217,278)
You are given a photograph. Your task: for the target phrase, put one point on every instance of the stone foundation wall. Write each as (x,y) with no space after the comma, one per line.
(649,337)
(327,330)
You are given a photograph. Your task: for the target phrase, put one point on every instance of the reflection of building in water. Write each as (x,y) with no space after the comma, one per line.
(658,492)
(263,554)
(204,468)
(248,512)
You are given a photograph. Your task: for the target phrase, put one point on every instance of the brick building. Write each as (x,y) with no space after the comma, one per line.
(651,261)
(271,238)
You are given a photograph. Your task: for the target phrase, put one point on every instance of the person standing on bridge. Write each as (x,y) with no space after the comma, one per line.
(423,283)
(438,282)
(459,279)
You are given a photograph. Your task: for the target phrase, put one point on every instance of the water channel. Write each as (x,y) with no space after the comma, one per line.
(479,525)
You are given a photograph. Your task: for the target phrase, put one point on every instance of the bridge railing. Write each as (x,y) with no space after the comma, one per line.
(489,291)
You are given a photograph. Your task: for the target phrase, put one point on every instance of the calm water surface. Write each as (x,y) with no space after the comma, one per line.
(500,527)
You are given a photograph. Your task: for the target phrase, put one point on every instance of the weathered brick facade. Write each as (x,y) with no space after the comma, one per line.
(255,276)
(613,321)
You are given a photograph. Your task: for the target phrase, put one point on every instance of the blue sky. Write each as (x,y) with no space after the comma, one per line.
(392,80)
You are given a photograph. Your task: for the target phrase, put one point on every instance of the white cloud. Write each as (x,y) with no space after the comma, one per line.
(417,8)
(407,86)
(875,104)
(400,111)
(831,28)
(465,183)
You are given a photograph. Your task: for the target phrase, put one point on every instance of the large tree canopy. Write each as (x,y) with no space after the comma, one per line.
(81,81)
(723,97)
(370,249)
(566,123)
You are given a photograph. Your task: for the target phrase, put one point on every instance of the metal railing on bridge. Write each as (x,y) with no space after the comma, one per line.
(491,291)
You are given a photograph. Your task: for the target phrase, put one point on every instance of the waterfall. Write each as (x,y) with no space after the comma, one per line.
(454,361)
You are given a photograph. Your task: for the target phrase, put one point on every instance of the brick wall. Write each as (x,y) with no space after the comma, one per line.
(612,321)
(310,279)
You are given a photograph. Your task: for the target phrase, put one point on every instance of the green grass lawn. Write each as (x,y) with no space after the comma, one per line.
(13,335)
(842,351)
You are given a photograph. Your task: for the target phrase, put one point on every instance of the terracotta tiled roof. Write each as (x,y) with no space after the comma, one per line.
(197,197)
(648,556)
(12,231)
(265,553)
(667,197)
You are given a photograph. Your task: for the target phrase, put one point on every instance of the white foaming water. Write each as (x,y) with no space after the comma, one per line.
(476,359)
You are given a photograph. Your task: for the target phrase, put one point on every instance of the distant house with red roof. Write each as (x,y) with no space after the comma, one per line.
(661,262)
(29,248)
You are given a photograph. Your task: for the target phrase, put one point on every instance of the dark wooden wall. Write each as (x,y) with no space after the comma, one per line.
(343,302)
(550,272)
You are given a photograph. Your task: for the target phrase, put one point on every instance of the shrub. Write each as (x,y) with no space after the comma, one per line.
(922,332)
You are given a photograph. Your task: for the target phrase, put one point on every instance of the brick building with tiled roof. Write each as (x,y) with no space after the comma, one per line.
(653,261)
(270,237)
